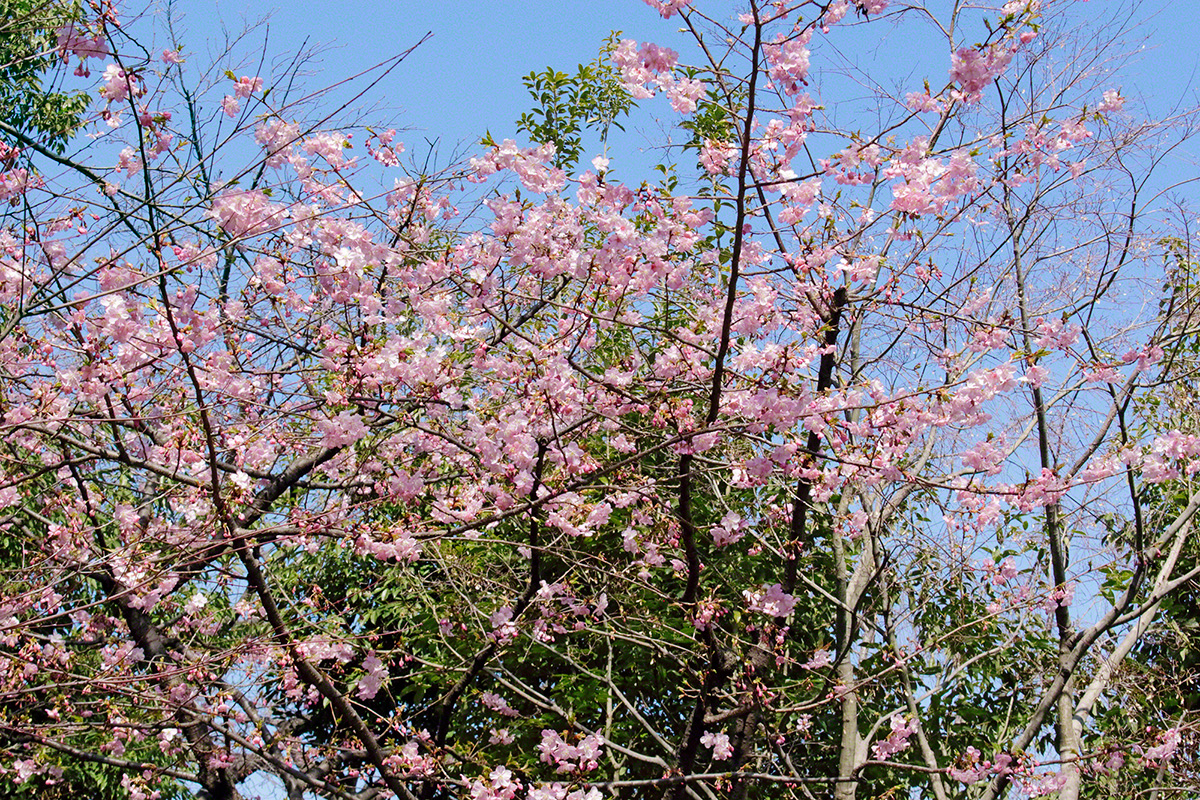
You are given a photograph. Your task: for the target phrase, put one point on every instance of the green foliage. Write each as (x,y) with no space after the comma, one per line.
(27,53)
(712,119)
(592,99)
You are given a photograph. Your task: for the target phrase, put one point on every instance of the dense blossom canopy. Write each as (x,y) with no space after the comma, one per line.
(851,457)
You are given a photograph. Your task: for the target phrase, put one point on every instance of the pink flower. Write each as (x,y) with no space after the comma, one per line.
(529,164)
(25,769)
(897,740)
(330,146)
(565,757)
(246,212)
(129,162)
(731,528)
(1006,572)
(503,627)
(1036,375)
(986,456)
(119,84)
(500,786)
(276,137)
(922,102)
(860,270)
(773,601)
(1020,6)
(1059,597)
(973,768)
(72,41)
(247,86)
(344,429)
(1042,784)
(13,184)
(820,658)
(1073,132)
(974,69)
(1113,101)
(834,13)
(668,8)
(1056,334)
(171,57)
(789,63)
(501,736)
(658,59)
(409,759)
(715,156)
(720,745)
(376,675)
(685,94)
(231,106)
(498,704)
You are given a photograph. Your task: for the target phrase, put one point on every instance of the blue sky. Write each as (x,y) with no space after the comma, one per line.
(467,77)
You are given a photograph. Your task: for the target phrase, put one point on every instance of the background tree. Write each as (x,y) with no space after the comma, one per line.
(28,53)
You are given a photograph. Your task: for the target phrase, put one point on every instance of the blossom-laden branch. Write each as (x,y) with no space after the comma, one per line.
(830,464)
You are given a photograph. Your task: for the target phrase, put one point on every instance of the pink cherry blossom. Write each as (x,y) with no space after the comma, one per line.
(498,704)
(373,679)
(247,86)
(772,601)
(1113,102)
(246,212)
(973,69)
(1169,742)
(789,62)
(722,748)
(897,740)
(119,84)
(668,8)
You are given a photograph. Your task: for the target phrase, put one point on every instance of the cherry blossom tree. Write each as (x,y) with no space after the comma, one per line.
(831,463)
